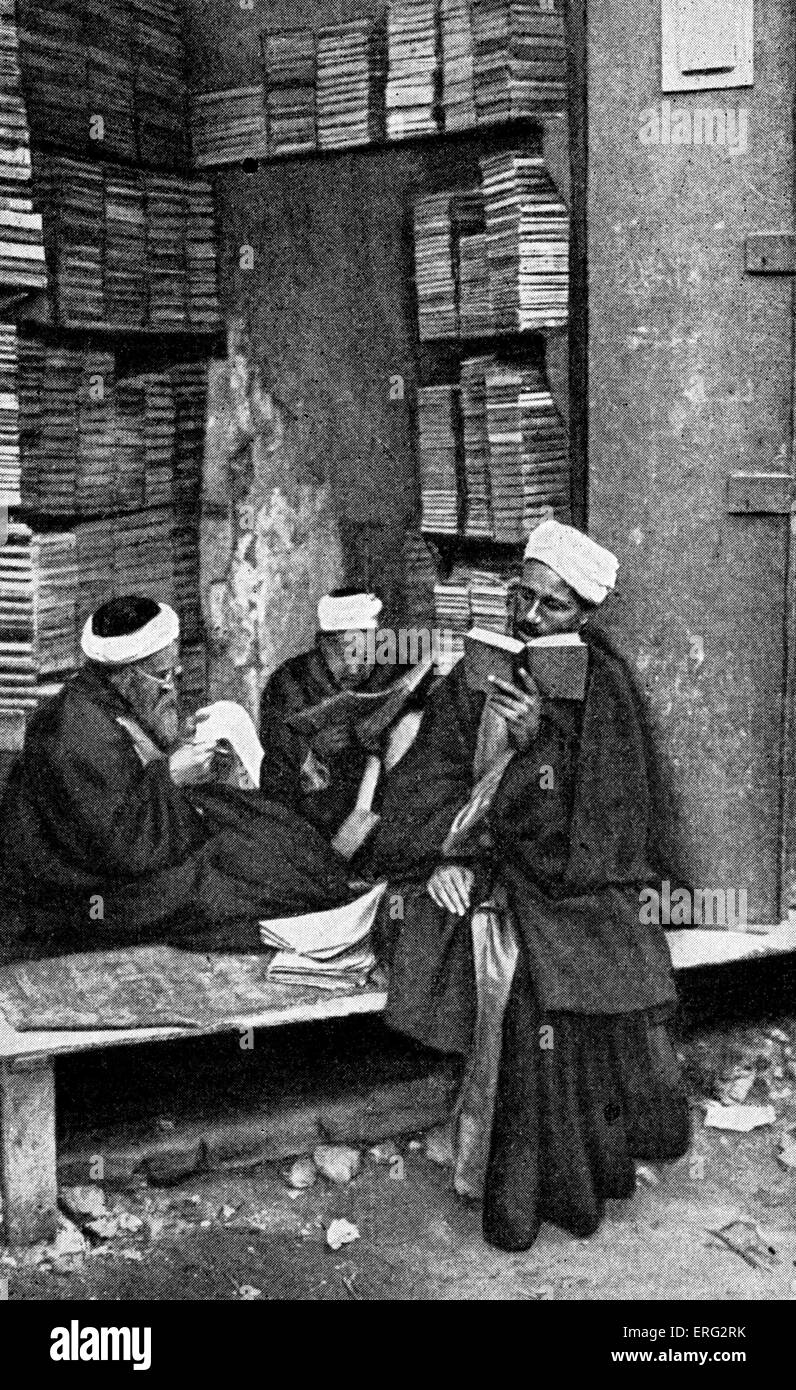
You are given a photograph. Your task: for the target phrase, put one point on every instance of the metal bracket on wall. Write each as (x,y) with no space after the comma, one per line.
(760,494)
(771,253)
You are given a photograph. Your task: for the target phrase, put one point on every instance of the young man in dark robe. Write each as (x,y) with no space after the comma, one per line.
(586,1080)
(111,832)
(320,775)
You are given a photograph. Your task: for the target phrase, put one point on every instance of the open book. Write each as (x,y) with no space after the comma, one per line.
(369,713)
(559,664)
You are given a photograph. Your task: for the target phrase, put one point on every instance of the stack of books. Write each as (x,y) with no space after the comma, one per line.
(476,316)
(202,256)
(128,248)
(527,228)
(458,88)
(124,555)
(413,68)
(22,262)
(528,452)
(490,598)
(107,77)
(167,215)
(520,56)
(193,681)
(187,576)
(420,571)
(437,413)
(228,126)
(37,613)
(289,66)
(161,87)
(453,617)
(478,506)
(160,439)
(125,251)
(351,71)
(53,57)
(92,443)
(434,278)
(189,384)
(10,452)
(108,37)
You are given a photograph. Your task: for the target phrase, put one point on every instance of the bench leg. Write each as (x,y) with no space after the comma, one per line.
(27,1151)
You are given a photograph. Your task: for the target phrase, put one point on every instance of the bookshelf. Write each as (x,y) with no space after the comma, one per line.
(103,352)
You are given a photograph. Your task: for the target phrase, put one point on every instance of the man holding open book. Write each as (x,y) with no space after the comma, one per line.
(517,829)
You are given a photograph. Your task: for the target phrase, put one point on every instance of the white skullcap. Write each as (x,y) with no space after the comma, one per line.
(585,566)
(153,637)
(349,613)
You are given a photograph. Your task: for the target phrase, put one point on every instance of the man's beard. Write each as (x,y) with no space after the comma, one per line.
(162,722)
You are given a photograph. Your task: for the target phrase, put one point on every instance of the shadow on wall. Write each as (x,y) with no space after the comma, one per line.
(270,540)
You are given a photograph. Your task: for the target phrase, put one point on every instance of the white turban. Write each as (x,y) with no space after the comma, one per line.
(585,566)
(349,613)
(153,637)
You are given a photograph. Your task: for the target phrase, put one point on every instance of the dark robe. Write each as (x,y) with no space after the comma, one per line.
(83,819)
(569,833)
(300,684)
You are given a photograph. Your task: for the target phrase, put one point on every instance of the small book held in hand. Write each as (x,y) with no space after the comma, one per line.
(559,664)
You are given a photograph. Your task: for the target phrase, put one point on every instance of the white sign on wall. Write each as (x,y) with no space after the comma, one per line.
(706,44)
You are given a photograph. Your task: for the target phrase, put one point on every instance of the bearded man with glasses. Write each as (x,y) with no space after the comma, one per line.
(112,804)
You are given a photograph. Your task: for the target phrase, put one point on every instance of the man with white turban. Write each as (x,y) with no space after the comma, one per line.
(320,774)
(522,944)
(112,831)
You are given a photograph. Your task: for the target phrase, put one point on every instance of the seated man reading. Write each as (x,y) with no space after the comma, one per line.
(585,1079)
(319,773)
(110,833)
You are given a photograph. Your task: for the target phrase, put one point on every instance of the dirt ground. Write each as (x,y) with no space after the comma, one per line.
(246,1235)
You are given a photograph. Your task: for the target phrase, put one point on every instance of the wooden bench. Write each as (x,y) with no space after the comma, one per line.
(28,1180)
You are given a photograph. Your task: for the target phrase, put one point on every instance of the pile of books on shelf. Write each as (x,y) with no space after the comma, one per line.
(437,411)
(458,89)
(520,66)
(160,85)
(92,443)
(478,506)
(106,261)
(189,383)
(420,570)
(434,276)
(54,61)
(37,613)
(413,69)
(187,576)
(124,555)
(229,126)
(107,77)
(125,251)
(490,598)
(502,422)
(493,260)
(350,84)
(111,97)
(289,67)
(527,230)
(528,452)
(22,261)
(10,453)
(453,617)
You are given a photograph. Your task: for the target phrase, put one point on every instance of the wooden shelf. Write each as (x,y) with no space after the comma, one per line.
(37,316)
(523,126)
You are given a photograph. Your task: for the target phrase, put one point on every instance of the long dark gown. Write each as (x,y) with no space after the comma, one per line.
(569,830)
(298,685)
(83,819)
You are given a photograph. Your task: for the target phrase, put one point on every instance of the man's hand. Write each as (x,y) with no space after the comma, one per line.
(521,709)
(451,887)
(192,764)
(333,739)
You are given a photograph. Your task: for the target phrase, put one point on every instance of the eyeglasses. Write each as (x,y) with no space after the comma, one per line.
(166,682)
